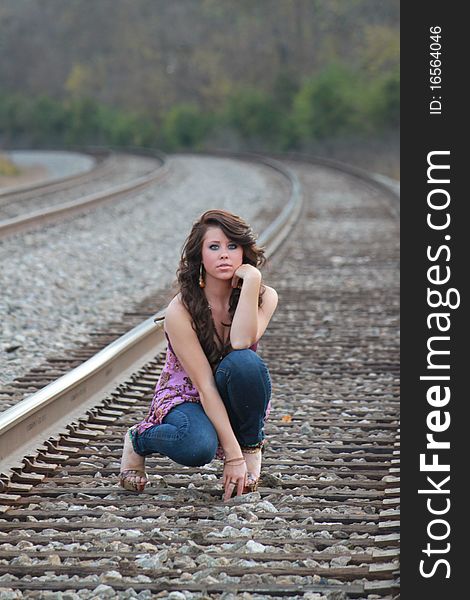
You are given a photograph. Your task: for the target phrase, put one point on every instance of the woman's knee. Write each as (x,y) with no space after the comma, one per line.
(197,439)
(243,361)
(200,450)
(248,367)
(199,442)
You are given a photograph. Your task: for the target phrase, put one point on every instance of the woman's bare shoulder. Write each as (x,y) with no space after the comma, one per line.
(176,308)
(177,303)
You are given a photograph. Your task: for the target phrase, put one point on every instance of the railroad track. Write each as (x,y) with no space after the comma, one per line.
(39,204)
(326,517)
(26,190)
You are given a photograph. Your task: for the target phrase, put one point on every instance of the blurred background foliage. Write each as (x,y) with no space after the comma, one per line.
(264,75)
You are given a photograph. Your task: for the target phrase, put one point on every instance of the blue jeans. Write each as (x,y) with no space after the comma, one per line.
(186,434)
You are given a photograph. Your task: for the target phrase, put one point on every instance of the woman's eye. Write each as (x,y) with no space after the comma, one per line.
(232,245)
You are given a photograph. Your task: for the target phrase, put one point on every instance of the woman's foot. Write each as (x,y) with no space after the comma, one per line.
(253,467)
(132,476)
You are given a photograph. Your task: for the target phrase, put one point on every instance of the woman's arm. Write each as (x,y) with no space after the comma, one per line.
(250,321)
(187,347)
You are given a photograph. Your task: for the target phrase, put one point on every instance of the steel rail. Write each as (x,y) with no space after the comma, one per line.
(104,169)
(390,186)
(26,425)
(56,182)
(42,216)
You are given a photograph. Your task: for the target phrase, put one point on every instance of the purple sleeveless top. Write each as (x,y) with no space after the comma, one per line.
(173,387)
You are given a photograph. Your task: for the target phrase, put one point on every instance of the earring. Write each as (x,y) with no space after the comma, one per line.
(202,283)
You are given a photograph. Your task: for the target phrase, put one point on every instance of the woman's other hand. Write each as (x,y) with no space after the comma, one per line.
(234,478)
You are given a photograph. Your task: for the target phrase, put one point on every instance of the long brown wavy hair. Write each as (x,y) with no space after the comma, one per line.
(193,298)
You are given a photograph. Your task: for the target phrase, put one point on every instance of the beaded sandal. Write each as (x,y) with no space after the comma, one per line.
(254,482)
(128,482)
(127,477)
(252,486)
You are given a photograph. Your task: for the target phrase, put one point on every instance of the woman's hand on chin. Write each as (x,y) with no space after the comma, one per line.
(245,271)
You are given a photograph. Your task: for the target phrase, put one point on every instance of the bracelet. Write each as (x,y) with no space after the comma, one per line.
(234,459)
(235,464)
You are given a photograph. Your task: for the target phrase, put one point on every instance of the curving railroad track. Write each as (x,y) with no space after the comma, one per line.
(115,175)
(325,521)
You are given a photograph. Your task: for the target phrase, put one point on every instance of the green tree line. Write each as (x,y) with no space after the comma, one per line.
(336,101)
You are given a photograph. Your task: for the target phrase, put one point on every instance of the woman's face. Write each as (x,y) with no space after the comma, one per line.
(218,250)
